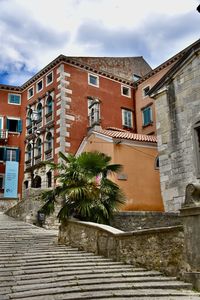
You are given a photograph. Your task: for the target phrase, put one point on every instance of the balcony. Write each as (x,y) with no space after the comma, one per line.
(48,154)
(3,134)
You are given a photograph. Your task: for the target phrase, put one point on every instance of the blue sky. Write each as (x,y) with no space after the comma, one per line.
(34,32)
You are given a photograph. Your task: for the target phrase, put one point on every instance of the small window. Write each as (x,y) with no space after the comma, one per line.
(127,118)
(49,104)
(1,181)
(14,99)
(49,179)
(146,90)
(126,91)
(29,150)
(49,141)
(14,125)
(157,163)
(39,111)
(197,147)
(12,154)
(30,92)
(2,153)
(147,116)
(39,85)
(39,147)
(93,80)
(49,78)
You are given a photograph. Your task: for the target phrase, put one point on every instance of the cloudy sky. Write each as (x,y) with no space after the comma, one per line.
(34,32)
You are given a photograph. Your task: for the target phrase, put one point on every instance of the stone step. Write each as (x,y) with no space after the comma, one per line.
(106,294)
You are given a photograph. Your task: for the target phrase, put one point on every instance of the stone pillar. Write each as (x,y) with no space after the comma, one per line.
(190,214)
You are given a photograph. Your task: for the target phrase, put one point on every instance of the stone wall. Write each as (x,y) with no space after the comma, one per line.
(131,220)
(159,249)
(27,210)
(177,110)
(6,203)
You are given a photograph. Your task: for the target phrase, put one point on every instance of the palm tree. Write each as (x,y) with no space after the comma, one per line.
(87,192)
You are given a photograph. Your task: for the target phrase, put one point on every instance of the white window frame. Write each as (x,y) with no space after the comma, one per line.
(29,97)
(2,175)
(14,95)
(129,91)
(97,77)
(13,118)
(2,122)
(143,93)
(123,118)
(47,76)
(37,90)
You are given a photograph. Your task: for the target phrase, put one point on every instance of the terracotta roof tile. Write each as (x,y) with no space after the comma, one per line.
(128,135)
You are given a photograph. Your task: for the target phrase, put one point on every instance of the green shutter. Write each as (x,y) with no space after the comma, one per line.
(19,126)
(17,154)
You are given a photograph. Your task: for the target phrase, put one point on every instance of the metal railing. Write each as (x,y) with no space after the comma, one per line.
(3,134)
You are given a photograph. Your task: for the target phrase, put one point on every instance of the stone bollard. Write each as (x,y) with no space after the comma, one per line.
(190,214)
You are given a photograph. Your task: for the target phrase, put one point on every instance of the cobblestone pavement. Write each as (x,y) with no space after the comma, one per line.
(34,267)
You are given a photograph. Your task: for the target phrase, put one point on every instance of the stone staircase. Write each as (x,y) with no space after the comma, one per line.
(34,267)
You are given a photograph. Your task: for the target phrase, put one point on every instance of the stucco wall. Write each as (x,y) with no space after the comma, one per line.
(177,110)
(141,184)
(158,249)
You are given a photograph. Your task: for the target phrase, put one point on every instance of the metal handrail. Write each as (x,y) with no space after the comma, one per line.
(3,134)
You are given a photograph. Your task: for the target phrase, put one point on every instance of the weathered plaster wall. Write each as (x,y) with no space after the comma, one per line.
(159,249)
(177,110)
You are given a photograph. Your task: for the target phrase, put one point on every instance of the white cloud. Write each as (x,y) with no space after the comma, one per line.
(34,32)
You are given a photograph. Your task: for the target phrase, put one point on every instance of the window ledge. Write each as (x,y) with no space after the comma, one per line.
(146,125)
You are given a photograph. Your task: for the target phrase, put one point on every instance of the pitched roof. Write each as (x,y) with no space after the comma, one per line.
(126,135)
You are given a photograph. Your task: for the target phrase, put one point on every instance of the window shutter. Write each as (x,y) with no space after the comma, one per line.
(19,126)
(7,124)
(4,154)
(17,154)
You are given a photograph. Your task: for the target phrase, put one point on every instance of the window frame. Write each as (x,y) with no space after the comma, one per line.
(143,90)
(10,94)
(47,76)
(11,155)
(151,116)
(93,75)
(39,90)
(31,88)
(129,91)
(123,118)
(16,119)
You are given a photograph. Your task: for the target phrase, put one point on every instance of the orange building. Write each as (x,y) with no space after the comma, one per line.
(137,153)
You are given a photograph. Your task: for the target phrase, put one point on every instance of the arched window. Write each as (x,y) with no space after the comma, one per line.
(37,181)
(29,152)
(49,104)
(157,164)
(39,147)
(49,179)
(49,141)
(39,111)
(26,184)
(29,118)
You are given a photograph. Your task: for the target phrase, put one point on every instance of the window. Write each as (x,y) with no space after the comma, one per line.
(93,80)
(157,163)
(14,99)
(146,90)
(29,152)
(12,154)
(126,91)
(2,153)
(39,111)
(127,118)
(1,181)
(49,104)
(49,141)
(30,92)
(49,78)
(39,85)
(49,179)
(147,116)
(39,147)
(14,125)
